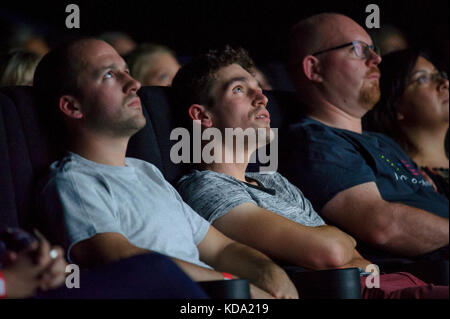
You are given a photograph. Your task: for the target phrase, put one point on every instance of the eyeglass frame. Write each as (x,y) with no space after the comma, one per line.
(374,48)
(433,77)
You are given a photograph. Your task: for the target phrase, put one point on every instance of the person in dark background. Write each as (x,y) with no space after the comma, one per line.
(389,39)
(153,64)
(20,36)
(414,111)
(120,41)
(359,181)
(17,67)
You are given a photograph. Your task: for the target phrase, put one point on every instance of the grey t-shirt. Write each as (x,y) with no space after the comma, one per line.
(82,198)
(212,195)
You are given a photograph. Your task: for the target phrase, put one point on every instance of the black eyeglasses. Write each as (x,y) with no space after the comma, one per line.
(362,50)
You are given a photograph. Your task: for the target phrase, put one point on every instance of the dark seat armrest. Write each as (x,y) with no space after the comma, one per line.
(326,284)
(226,289)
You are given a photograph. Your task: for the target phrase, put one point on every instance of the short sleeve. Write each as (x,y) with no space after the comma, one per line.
(78,206)
(212,195)
(198,224)
(323,164)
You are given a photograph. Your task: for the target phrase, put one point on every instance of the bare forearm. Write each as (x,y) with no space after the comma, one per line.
(413,231)
(252,264)
(336,248)
(197,273)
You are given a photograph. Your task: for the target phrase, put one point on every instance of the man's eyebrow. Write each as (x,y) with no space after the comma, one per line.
(101,69)
(231,81)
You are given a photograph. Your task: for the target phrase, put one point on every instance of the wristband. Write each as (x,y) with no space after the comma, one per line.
(2,286)
(227,276)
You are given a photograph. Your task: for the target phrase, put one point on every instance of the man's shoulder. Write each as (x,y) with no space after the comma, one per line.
(207,182)
(311,136)
(314,130)
(144,166)
(203,178)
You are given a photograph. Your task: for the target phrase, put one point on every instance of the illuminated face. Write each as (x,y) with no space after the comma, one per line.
(160,70)
(108,98)
(425,100)
(349,81)
(239,101)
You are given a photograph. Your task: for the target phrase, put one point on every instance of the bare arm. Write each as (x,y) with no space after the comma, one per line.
(226,255)
(110,247)
(394,227)
(321,247)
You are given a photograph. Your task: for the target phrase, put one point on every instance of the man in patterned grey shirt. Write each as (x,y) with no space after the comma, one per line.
(264,211)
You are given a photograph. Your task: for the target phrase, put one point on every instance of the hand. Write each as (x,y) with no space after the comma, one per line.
(52,258)
(33,268)
(277,283)
(256,293)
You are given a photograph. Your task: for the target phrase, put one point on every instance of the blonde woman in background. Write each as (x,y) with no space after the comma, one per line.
(17,67)
(153,65)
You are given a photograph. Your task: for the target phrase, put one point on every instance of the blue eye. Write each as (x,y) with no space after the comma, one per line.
(108,75)
(238,89)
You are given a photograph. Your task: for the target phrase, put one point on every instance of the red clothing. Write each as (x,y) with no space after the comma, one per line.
(403,285)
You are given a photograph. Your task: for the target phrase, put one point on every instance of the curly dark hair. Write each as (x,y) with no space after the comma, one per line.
(193,82)
(395,70)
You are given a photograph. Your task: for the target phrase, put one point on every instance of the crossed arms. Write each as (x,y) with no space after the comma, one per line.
(220,252)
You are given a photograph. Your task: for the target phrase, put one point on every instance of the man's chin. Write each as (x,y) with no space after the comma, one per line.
(370,97)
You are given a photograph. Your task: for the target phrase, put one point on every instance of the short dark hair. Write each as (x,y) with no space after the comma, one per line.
(193,82)
(395,70)
(56,75)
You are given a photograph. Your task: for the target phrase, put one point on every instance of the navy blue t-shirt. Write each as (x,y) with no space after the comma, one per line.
(327,160)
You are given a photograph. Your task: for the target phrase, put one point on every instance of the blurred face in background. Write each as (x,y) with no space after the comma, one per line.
(425,101)
(159,70)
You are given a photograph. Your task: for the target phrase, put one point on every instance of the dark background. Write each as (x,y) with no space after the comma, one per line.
(190,27)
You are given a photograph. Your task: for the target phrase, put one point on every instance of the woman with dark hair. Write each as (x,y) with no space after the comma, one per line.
(414,111)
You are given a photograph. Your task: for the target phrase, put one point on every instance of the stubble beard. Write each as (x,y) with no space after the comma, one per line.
(369,95)
(121,125)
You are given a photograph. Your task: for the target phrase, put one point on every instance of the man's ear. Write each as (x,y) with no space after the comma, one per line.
(70,106)
(199,112)
(312,68)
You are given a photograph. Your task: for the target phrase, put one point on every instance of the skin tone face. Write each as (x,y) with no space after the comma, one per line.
(425,103)
(124,45)
(161,70)
(349,82)
(240,102)
(108,100)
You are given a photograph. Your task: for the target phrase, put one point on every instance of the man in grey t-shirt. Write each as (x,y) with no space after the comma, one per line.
(112,207)
(264,211)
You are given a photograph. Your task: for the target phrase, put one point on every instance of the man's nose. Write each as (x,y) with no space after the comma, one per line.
(260,98)
(131,84)
(374,58)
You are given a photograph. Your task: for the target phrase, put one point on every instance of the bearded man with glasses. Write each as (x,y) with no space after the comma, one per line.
(359,181)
